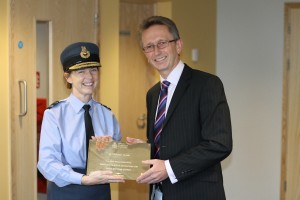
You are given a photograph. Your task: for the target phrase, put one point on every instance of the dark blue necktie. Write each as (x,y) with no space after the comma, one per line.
(160,116)
(89,131)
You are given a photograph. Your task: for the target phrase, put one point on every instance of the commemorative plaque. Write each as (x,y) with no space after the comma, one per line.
(120,158)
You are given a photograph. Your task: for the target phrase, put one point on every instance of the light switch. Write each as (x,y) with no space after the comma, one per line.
(195,55)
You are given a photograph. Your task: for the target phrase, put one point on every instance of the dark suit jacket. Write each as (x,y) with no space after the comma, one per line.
(196,136)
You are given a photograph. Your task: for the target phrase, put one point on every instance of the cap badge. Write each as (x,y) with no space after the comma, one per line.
(84,52)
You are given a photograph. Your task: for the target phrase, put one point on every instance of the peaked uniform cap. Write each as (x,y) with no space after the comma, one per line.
(80,55)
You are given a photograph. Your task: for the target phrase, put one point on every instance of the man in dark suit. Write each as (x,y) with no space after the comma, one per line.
(196,132)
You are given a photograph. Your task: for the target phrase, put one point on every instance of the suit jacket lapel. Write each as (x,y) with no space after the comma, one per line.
(181,87)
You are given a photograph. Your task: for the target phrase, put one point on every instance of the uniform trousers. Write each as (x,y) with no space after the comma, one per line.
(78,192)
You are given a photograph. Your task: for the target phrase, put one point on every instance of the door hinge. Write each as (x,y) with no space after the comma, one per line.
(284,186)
(96,18)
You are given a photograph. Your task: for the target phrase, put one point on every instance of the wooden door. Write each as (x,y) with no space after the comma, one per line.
(69,21)
(136,77)
(290,178)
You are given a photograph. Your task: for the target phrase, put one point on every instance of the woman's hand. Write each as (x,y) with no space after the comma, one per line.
(102,141)
(101,177)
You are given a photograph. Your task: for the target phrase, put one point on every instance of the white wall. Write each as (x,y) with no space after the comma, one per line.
(250,41)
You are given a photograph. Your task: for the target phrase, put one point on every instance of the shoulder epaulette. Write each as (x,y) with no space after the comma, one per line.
(53,104)
(106,106)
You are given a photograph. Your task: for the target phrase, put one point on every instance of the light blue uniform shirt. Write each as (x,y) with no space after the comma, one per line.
(62,141)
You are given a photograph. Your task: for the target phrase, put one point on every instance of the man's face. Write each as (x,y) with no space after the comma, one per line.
(83,81)
(163,59)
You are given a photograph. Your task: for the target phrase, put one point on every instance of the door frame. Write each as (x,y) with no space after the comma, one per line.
(284,139)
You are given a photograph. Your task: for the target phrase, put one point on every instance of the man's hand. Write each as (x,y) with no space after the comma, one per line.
(155,174)
(130,140)
(101,177)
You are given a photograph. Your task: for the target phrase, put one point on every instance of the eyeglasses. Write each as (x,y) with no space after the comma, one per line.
(160,45)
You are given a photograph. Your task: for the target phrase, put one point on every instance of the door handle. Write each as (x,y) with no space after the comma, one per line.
(23,101)
(140,121)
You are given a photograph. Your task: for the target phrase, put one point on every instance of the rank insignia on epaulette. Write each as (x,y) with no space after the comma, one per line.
(53,104)
(106,107)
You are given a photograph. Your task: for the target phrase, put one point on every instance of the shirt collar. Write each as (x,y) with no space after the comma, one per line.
(77,104)
(175,74)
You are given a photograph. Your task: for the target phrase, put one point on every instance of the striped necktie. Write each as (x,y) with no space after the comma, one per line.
(160,115)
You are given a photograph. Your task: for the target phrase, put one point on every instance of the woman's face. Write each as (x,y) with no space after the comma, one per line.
(84,81)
